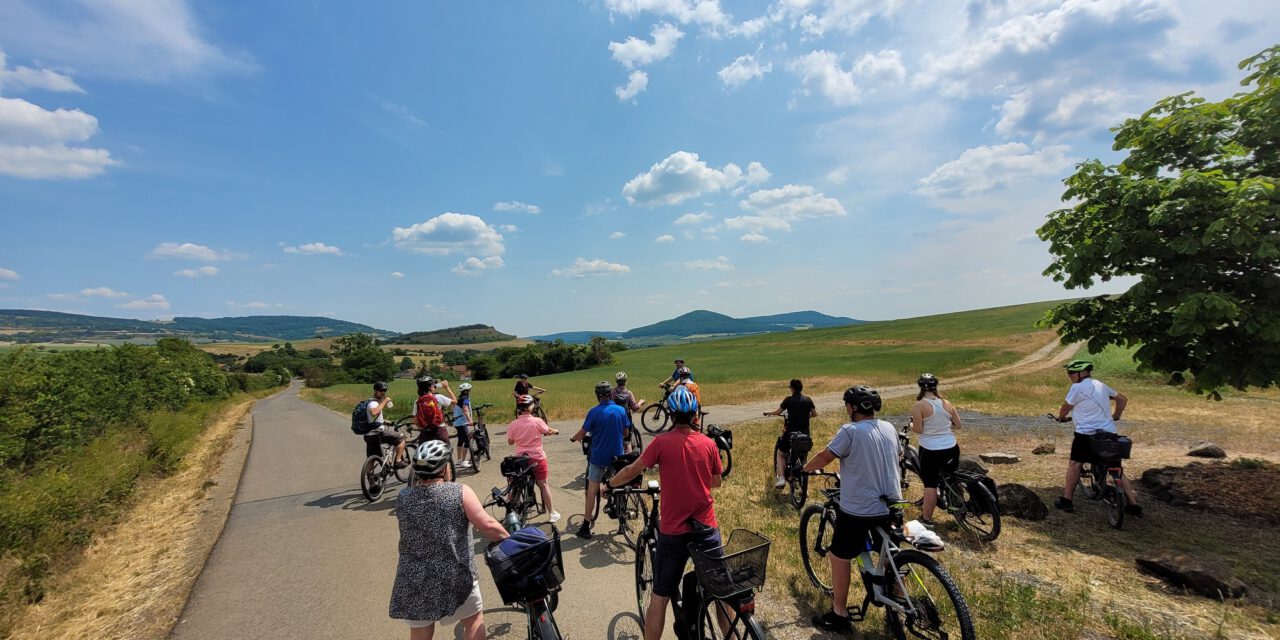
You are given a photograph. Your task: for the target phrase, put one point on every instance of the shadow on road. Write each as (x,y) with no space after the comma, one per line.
(353,500)
(601,550)
(626,626)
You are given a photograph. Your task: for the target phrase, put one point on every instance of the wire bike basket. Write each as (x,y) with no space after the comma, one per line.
(738,566)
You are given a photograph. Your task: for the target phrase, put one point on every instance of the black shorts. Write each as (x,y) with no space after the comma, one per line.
(673,554)
(851,534)
(1081,448)
(464,435)
(933,463)
(373,442)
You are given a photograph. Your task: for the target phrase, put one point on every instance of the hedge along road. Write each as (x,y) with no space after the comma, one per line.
(303,555)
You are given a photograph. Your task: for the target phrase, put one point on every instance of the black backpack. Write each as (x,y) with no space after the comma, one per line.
(360,424)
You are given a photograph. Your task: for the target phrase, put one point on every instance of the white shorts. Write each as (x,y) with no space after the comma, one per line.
(469,607)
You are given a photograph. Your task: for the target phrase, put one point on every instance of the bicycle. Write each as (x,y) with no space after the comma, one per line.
(537,410)
(376,469)
(518,500)
(655,418)
(963,494)
(478,440)
(798,446)
(726,580)
(724,445)
(1100,478)
(530,580)
(901,581)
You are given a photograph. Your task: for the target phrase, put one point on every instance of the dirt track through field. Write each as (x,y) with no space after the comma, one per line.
(303,555)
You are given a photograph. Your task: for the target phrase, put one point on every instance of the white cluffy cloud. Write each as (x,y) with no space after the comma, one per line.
(202,272)
(985,168)
(19,78)
(153,301)
(474,266)
(665,238)
(741,70)
(313,249)
(681,176)
(693,218)
(719,264)
(450,233)
(9,274)
(517,206)
(703,12)
(103,292)
(820,72)
(616,235)
(397,274)
(583,267)
(779,209)
(634,52)
(754,238)
(637,82)
(187,251)
(34,140)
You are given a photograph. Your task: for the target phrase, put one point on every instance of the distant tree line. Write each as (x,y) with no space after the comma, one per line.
(542,358)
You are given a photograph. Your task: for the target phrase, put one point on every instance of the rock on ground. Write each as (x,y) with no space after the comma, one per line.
(1044,449)
(1020,502)
(971,464)
(1184,570)
(999,458)
(1207,450)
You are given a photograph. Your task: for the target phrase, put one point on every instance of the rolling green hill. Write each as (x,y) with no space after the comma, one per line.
(700,322)
(466,334)
(805,319)
(52,326)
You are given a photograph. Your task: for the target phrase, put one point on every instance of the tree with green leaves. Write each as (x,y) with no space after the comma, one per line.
(345,345)
(1192,211)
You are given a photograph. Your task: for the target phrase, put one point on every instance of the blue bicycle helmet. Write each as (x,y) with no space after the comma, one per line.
(682,401)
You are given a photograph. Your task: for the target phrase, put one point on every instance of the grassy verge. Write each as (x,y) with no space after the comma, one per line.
(48,515)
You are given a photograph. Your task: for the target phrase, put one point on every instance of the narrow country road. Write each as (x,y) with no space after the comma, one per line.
(304,556)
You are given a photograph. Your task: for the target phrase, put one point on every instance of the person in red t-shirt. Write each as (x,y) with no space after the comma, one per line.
(427,415)
(688,469)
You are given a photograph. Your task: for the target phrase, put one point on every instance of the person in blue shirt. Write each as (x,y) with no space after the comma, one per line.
(605,424)
(675,374)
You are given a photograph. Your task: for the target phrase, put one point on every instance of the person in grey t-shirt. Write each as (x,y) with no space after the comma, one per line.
(868,452)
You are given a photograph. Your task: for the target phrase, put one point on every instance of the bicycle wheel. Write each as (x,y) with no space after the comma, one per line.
(912,485)
(1087,483)
(637,440)
(976,510)
(538,412)
(726,458)
(654,418)
(817,529)
(542,623)
(372,478)
(799,489)
(1113,501)
(630,518)
(934,606)
(644,574)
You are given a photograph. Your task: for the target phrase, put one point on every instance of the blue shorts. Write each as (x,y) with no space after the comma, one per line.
(595,472)
(673,554)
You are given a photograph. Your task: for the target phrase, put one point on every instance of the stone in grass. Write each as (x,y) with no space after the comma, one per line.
(1020,502)
(971,464)
(1207,450)
(1044,449)
(999,458)
(1184,570)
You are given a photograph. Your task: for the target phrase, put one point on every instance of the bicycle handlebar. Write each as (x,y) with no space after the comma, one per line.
(1055,418)
(651,489)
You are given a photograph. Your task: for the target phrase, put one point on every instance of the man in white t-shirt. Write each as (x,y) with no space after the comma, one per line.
(1088,402)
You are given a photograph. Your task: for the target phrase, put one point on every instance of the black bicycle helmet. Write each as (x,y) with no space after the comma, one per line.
(603,389)
(863,398)
(928,382)
(426,384)
(379,386)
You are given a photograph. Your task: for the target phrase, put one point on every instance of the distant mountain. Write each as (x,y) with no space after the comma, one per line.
(701,322)
(40,326)
(577,337)
(805,320)
(466,334)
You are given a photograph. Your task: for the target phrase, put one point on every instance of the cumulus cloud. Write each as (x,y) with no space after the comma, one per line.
(693,218)
(187,251)
(582,267)
(508,228)
(397,274)
(719,264)
(706,13)
(19,78)
(986,168)
(820,72)
(617,235)
(517,206)
(634,52)
(665,238)
(754,238)
(779,209)
(848,17)
(103,292)
(884,65)
(153,301)
(475,266)
(450,233)
(682,175)
(637,82)
(741,70)
(33,142)
(9,274)
(314,249)
(202,272)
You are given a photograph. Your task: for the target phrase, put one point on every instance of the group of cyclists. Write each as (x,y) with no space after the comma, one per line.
(436,579)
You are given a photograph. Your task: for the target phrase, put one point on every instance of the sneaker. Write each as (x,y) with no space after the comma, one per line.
(555,517)
(829,621)
(584,531)
(1134,510)
(928,523)
(1065,504)
(779,483)
(465,464)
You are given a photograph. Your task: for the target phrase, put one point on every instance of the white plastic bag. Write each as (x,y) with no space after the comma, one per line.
(922,538)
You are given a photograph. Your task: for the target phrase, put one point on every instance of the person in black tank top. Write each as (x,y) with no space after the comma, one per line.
(799,409)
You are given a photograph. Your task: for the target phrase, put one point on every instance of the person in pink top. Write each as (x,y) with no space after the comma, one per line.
(525,432)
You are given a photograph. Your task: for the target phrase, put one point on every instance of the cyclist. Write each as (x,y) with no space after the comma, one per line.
(799,408)
(373,440)
(446,401)
(623,397)
(525,432)
(524,387)
(868,451)
(688,469)
(462,423)
(675,374)
(1089,403)
(427,414)
(934,418)
(605,423)
(436,580)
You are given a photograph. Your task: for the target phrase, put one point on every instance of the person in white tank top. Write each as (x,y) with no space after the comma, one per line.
(935,419)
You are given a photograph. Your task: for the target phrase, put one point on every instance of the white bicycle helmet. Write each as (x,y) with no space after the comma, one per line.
(430,457)
(620,376)
(466,386)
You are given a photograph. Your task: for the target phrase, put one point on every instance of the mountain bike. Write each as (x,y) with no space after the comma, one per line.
(798,447)
(724,445)
(919,597)
(377,469)
(537,410)
(530,580)
(719,592)
(629,509)
(478,440)
(963,494)
(655,418)
(1100,478)
(518,500)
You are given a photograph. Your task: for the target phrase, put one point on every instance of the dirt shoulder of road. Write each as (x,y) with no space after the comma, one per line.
(133,581)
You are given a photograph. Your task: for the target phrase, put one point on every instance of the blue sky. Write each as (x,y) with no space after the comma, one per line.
(565,166)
